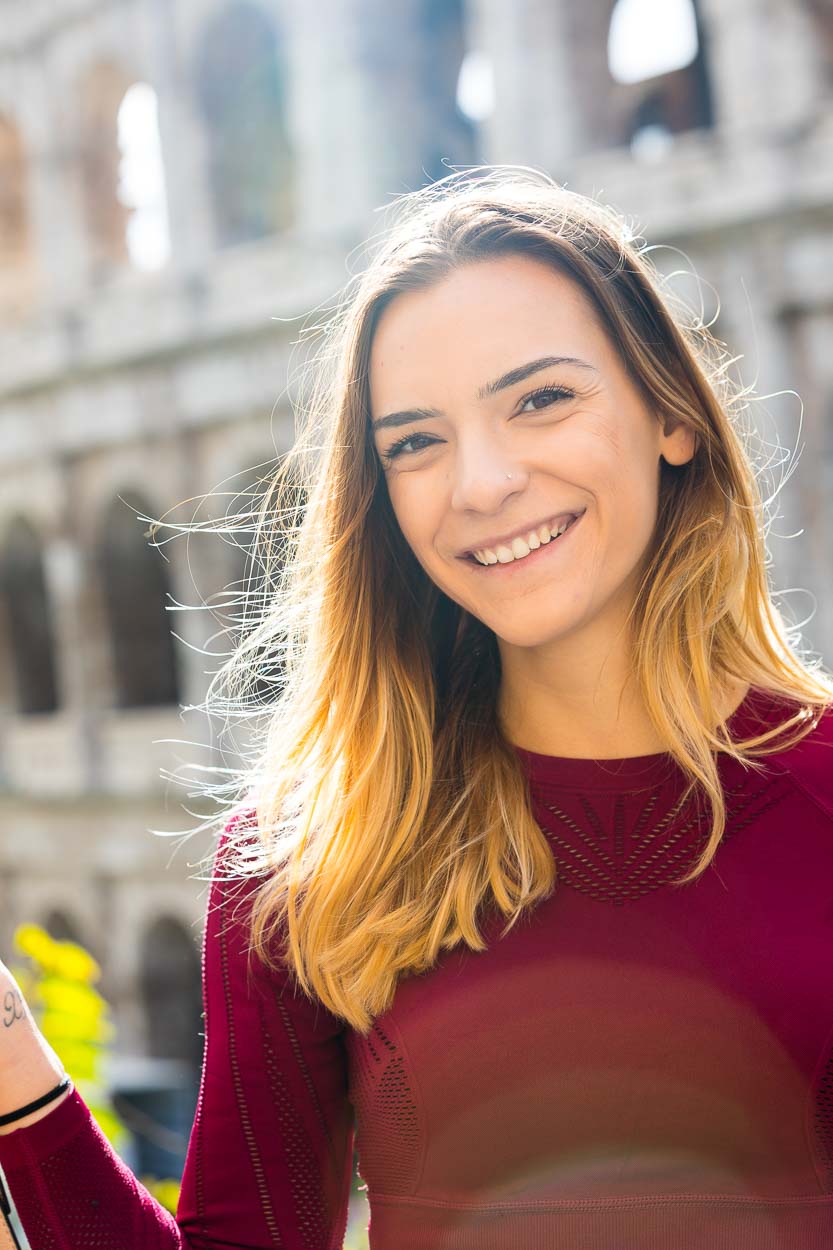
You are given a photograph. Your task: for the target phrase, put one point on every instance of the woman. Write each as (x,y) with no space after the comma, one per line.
(536,866)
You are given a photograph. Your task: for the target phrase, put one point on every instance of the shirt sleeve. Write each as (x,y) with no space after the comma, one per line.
(270,1156)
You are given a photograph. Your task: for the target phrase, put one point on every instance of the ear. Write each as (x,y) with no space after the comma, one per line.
(678,441)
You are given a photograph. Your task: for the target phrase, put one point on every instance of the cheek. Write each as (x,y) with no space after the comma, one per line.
(624,463)
(413,511)
(621,470)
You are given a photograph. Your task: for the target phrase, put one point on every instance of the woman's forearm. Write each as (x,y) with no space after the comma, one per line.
(29,1066)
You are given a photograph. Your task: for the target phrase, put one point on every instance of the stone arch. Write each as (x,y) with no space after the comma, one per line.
(17,254)
(171,991)
(673,101)
(61,926)
(26,609)
(240,79)
(610,113)
(135,592)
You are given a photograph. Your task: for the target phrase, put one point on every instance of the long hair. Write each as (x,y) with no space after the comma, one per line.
(390,808)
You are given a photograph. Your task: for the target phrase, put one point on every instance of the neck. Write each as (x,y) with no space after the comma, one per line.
(578,699)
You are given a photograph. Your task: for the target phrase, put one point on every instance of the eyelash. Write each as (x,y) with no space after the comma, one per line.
(396,449)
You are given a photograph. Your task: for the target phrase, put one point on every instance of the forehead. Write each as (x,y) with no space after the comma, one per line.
(480,318)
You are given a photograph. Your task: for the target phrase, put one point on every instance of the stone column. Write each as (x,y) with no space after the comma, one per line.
(536,120)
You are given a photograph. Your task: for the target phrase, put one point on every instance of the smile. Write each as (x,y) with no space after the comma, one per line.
(522,551)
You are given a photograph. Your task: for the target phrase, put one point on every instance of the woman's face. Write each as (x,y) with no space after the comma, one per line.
(501,412)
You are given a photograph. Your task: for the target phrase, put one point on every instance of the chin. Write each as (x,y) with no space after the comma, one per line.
(529,633)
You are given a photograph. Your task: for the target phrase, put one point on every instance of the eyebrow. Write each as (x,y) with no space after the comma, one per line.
(519,374)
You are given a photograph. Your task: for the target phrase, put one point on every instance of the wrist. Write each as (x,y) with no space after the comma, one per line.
(38,1107)
(31,1111)
(38,1073)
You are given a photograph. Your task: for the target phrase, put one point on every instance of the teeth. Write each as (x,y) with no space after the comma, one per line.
(520,547)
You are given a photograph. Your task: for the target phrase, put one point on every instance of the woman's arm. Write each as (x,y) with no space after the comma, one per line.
(29,1066)
(70,1188)
(270,1156)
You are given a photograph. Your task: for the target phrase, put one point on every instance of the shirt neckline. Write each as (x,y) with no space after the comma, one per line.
(637,771)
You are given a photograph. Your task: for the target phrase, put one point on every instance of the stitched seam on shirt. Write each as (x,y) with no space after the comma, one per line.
(604,1204)
(199,1166)
(199,1156)
(243,1110)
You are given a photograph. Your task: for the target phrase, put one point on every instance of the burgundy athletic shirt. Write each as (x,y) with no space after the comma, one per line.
(635,1066)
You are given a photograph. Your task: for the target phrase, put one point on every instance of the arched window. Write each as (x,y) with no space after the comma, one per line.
(135,590)
(27,612)
(17,259)
(655,48)
(122,177)
(62,927)
(647,38)
(171,992)
(142,178)
(476,86)
(159,1102)
(241,88)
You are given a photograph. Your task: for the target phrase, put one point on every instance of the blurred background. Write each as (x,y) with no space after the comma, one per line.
(180,181)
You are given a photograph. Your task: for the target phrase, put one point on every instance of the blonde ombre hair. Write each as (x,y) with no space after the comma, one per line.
(390,807)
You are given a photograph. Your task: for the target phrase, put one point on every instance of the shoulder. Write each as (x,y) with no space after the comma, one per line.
(235,878)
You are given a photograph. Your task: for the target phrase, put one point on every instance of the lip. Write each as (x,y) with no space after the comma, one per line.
(505,540)
(514,567)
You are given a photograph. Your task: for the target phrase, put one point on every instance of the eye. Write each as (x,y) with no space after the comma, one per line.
(400,446)
(550,393)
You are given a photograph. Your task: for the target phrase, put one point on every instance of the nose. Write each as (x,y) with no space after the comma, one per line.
(485,476)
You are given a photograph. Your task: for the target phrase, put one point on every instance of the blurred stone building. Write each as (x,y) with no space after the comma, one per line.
(180,180)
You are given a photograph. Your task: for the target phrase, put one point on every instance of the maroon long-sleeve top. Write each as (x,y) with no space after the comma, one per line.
(636,1065)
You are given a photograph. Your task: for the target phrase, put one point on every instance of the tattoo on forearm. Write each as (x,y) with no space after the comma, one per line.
(12,1008)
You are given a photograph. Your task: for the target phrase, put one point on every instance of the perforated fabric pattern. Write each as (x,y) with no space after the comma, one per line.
(302,1166)
(822,1104)
(643,841)
(382,1096)
(80,1205)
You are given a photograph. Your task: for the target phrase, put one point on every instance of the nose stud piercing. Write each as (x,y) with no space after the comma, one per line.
(508,475)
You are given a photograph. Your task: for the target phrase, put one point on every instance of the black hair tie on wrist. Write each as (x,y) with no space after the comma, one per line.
(37,1104)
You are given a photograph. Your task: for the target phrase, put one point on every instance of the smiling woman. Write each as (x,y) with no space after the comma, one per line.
(535,682)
